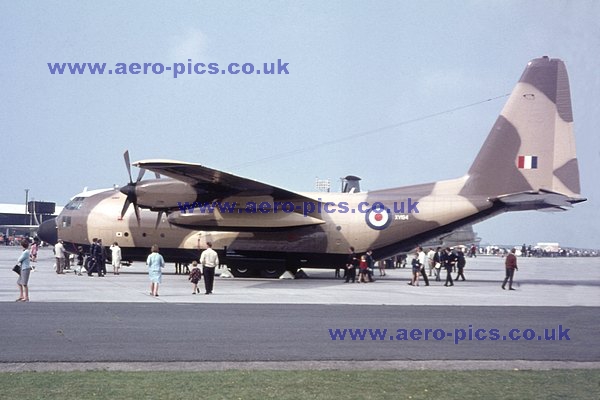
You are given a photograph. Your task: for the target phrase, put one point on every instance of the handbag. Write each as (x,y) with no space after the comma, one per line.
(17,269)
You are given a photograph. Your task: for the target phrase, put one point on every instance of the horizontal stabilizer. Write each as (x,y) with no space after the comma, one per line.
(543,200)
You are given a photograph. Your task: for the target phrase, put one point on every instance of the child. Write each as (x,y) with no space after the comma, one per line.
(34,251)
(195,277)
(416,269)
(80,258)
(362,276)
(381,265)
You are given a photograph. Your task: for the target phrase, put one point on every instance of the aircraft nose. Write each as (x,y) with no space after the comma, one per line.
(48,232)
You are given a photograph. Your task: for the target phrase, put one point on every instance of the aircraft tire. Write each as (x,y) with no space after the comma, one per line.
(240,272)
(272,273)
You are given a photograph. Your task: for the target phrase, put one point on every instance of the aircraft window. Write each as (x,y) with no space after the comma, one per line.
(162,235)
(66,222)
(126,234)
(75,204)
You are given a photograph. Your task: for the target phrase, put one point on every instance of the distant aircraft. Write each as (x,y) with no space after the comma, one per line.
(527,162)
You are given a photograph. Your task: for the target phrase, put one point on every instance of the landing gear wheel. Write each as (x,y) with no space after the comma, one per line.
(272,273)
(240,272)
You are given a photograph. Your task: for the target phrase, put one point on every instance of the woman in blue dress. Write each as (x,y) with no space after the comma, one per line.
(23,280)
(155,264)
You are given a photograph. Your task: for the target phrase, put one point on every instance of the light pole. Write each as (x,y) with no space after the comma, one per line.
(32,213)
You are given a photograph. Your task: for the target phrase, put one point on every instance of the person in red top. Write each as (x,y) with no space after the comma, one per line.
(511,265)
(363,265)
(195,277)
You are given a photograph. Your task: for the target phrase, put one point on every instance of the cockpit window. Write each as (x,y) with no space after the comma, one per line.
(75,204)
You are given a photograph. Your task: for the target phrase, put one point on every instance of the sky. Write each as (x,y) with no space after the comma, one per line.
(370,92)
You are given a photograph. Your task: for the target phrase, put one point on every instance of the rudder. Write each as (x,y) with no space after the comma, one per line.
(531,147)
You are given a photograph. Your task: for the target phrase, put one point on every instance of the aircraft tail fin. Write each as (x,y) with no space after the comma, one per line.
(531,147)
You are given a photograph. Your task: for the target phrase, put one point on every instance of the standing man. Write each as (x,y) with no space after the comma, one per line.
(511,265)
(437,261)
(59,254)
(115,251)
(99,257)
(448,262)
(430,260)
(209,259)
(423,261)
(473,251)
(370,265)
(351,265)
(91,263)
(460,263)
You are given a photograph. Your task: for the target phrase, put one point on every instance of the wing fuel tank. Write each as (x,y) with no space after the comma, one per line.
(241,220)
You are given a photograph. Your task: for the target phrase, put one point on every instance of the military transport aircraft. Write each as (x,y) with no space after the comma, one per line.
(527,162)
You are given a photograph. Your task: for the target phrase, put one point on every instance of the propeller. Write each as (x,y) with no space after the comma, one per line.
(158,218)
(129,189)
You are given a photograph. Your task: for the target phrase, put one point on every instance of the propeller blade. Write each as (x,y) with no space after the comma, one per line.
(125,207)
(137,212)
(158,219)
(129,190)
(128,164)
(140,175)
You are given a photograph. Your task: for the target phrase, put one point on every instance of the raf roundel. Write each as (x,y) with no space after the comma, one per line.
(378,218)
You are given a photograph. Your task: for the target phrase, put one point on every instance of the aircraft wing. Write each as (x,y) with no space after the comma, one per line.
(218,183)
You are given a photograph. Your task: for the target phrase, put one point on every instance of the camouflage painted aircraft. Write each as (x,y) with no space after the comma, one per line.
(527,162)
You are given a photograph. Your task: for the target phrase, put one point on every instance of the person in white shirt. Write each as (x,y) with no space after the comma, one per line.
(115,251)
(431,260)
(423,261)
(59,254)
(209,260)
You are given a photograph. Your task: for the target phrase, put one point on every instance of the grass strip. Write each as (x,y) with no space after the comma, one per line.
(313,384)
